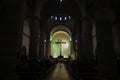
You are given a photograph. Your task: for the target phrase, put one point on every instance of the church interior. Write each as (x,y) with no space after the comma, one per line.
(60,40)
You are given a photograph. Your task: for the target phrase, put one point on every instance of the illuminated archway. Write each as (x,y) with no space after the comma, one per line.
(60,42)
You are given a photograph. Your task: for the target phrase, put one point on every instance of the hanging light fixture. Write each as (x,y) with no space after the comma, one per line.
(60,18)
(61,0)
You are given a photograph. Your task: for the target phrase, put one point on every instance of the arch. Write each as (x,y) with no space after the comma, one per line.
(105,13)
(64,33)
(61,28)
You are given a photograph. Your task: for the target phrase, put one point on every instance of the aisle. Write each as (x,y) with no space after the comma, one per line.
(60,73)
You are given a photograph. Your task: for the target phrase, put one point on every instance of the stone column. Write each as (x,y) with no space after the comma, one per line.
(115,30)
(86,55)
(78,38)
(71,49)
(41,46)
(73,46)
(47,45)
(87,40)
(119,33)
(34,27)
(106,59)
(76,46)
(11,23)
(79,44)
(49,49)
(33,39)
(119,36)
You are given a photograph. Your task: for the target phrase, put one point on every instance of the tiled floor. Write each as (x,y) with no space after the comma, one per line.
(60,73)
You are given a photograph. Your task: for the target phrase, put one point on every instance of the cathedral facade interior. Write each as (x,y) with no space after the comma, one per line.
(60,39)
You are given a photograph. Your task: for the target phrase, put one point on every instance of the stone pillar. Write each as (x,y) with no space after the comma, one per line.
(76,47)
(49,49)
(78,38)
(33,39)
(73,46)
(34,27)
(119,33)
(106,59)
(79,44)
(115,30)
(11,23)
(47,46)
(71,49)
(41,46)
(119,36)
(87,54)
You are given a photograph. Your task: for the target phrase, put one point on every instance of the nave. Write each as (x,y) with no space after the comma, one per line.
(57,71)
(44,70)
(60,73)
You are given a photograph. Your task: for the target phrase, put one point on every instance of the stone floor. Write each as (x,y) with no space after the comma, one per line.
(60,73)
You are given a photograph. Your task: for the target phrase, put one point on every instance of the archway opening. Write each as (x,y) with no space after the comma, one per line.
(60,45)
(60,42)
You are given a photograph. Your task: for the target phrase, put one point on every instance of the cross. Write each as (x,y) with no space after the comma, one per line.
(60,43)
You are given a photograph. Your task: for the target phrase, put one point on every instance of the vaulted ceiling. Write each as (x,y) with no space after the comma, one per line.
(68,7)
(71,7)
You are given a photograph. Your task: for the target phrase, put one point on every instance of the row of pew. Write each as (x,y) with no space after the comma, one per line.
(37,70)
(82,71)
